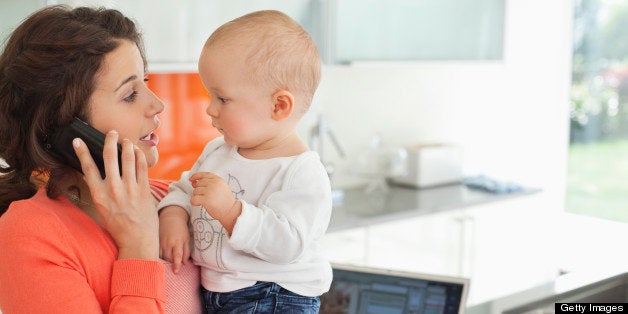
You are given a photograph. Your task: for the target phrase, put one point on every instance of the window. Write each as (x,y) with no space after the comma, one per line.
(598,153)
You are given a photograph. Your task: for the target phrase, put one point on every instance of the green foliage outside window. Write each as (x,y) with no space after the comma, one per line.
(598,155)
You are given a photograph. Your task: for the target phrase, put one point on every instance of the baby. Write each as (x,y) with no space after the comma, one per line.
(257,199)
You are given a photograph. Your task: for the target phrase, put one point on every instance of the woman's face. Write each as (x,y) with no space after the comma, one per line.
(121,100)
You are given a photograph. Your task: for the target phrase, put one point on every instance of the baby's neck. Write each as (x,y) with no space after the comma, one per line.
(286,147)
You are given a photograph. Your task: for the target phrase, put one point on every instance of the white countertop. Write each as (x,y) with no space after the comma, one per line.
(363,208)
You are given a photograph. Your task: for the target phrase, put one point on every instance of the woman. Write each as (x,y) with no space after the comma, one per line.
(72,242)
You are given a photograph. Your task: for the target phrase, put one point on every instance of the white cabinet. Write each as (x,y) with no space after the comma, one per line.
(503,246)
(346,247)
(430,244)
(512,247)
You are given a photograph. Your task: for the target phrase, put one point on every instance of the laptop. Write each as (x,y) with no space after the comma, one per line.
(364,290)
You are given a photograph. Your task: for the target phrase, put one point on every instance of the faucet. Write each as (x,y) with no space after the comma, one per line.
(317,142)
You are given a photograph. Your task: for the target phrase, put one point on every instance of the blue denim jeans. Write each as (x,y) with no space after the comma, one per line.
(263,297)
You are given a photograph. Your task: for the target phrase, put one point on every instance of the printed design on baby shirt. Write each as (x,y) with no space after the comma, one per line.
(208,231)
(235,186)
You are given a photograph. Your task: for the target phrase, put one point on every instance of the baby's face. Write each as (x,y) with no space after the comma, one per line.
(240,109)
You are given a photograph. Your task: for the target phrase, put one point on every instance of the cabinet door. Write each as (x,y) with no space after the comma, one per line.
(512,247)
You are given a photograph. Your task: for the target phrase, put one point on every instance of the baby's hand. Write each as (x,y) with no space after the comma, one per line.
(174,237)
(211,192)
(214,194)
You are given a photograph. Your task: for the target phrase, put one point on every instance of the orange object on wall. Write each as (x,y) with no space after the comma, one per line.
(185,127)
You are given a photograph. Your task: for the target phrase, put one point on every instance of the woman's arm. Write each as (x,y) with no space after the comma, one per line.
(137,285)
(55,259)
(127,211)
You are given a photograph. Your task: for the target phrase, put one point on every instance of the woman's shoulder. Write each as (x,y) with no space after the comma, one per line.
(41,218)
(26,212)
(32,223)
(53,230)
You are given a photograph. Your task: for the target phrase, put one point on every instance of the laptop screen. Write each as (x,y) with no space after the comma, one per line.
(367,290)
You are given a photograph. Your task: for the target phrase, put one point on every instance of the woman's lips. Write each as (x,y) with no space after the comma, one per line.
(152,139)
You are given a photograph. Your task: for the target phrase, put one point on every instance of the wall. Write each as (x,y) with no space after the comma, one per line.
(13,13)
(510,116)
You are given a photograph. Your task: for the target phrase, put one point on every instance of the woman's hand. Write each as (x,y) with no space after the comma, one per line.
(124,203)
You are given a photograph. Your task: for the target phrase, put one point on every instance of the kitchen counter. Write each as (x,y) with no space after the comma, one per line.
(450,230)
(603,285)
(361,208)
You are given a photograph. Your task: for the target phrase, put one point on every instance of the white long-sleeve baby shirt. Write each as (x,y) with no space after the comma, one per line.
(286,207)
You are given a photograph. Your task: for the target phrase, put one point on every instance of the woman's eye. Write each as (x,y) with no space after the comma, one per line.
(131,97)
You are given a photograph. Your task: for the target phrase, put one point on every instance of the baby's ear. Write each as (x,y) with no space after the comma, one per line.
(283,102)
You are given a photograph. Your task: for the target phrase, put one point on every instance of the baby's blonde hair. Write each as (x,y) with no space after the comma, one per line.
(280,52)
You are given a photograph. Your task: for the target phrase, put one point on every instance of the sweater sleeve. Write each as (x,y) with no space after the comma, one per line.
(296,216)
(47,266)
(137,285)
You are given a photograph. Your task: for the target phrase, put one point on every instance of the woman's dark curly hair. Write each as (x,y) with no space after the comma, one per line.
(47,75)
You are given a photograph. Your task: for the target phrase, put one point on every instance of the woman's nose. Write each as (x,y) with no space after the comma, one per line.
(156,104)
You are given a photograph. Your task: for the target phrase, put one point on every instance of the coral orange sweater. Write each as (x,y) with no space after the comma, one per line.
(55,259)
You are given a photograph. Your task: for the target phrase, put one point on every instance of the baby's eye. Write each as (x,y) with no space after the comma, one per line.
(223,100)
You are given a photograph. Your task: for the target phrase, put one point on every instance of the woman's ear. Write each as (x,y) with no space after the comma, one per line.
(283,102)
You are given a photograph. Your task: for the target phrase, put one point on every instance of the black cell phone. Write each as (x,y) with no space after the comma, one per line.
(60,144)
